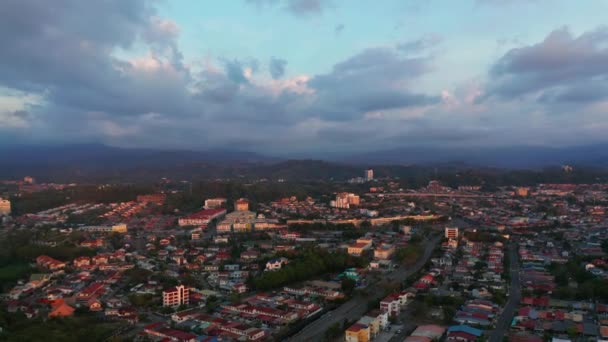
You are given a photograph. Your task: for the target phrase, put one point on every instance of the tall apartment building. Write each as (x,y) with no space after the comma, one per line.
(369,175)
(451,233)
(5,207)
(176,296)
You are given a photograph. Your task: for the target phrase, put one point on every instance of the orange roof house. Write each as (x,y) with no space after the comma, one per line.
(61,309)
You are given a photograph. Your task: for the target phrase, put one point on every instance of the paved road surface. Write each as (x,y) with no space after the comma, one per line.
(502,326)
(357,306)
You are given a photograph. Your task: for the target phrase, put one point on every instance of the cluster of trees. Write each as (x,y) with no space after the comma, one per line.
(589,286)
(408,255)
(309,264)
(77,328)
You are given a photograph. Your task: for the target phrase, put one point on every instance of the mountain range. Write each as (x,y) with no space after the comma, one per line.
(94,161)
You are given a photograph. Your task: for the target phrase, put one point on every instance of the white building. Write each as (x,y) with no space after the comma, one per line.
(276,264)
(214,203)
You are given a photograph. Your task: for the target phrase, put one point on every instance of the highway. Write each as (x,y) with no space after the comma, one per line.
(504,321)
(357,306)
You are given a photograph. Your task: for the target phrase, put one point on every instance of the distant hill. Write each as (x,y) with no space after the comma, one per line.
(521,157)
(99,163)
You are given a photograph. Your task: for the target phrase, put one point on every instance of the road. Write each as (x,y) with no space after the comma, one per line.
(357,306)
(502,326)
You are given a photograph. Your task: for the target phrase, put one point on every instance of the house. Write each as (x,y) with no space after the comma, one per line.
(82,261)
(61,309)
(92,243)
(45,261)
(384,252)
(463,333)
(357,333)
(276,264)
(358,248)
(94,305)
(391,304)
(430,331)
(376,321)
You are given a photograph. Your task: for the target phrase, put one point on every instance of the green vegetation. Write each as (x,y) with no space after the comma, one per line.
(143,300)
(348,285)
(83,328)
(308,264)
(589,286)
(409,255)
(9,274)
(333,331)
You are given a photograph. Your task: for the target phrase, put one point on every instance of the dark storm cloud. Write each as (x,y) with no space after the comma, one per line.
(68,55)
(560,68)
(375,79)
(299,8)
(276,66)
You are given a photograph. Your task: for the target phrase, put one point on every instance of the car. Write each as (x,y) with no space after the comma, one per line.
(399,331)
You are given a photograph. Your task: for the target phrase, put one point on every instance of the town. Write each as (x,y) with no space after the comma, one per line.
(370,262)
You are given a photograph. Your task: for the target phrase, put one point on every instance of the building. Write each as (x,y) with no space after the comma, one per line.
(29,180)
(117,228)
(154,198)
(358,248)
(176,296)
(276,264)
(357,333)
(369,175)
(5,207)
(451,233)
(202,218)
(345,200)
(384,252)
(522,192)
(214,203)
(237,221)
(241,204)
(45,261)
(195,234)
(61,309)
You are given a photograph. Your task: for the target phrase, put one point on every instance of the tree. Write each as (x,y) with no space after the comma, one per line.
(348,285)
(333,331)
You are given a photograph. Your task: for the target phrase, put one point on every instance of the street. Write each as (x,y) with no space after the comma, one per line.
(502,326)
(357,306)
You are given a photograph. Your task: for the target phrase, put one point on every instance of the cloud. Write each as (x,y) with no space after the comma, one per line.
(374,79)
(299,8)
(561,68)
(420,44)
(505,2)
(276,66)
(14,119)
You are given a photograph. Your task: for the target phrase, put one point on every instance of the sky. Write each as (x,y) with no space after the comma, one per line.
(298,77)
